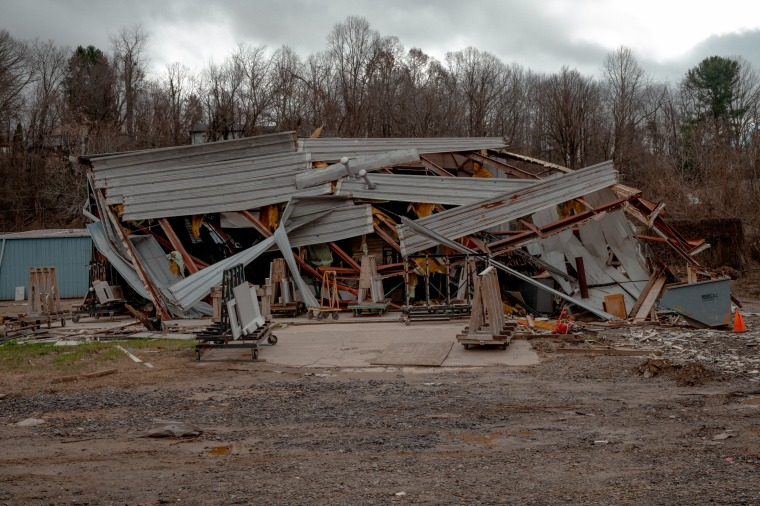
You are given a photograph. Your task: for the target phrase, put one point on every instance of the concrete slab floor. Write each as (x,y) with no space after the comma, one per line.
(355,346)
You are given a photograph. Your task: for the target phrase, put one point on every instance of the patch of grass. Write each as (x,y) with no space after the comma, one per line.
(161,344)
(21,357)
(15,356)
(25,357)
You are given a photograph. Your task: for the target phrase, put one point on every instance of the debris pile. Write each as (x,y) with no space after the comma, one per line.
(172,220)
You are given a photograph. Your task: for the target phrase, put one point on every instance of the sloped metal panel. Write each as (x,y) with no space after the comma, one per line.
(326,148)
(119,263)
(468,219)
(154,260)
(551,247)
(622,241)
(198,153)
(234,198)
(340,223)
(455,191)
(196,286)
(183,177)
(239,174)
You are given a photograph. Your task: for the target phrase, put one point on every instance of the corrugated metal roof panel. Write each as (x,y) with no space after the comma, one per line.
(50,233)
(431,189)
(208,152)
(261,166)
(468,219)
(235,198)
(120,264)
(326,148)
(196,286)
(340,223)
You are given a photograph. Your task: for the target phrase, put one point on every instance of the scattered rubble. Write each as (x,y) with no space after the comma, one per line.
(167,428)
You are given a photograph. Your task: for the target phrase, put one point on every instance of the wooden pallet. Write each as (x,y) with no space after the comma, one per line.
(487,323)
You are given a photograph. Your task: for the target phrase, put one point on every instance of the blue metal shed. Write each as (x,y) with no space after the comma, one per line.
(68,250)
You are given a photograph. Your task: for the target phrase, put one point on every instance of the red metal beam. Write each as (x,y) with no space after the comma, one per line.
(345,257)
(387,238)
(434,167)
(504,167)
(177,245)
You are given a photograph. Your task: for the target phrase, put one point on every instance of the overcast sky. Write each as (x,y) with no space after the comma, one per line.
(667,36)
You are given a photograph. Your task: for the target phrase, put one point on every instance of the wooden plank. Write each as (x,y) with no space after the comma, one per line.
(652,279)
(614,304)
(647,304)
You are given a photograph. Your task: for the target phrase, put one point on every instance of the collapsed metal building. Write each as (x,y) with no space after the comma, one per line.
(171,220)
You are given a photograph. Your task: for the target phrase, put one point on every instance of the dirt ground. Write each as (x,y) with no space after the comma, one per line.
(574,429)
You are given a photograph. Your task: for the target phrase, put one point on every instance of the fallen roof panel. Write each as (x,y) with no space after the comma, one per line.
(127,272)
(464,220)
(431,189)
(211,151)
(235,198)
(340,223)
(260,166)
(327,148)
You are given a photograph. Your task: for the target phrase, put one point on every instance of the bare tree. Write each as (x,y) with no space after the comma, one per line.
(14,76)
(131,66)
(257,92)
(177,83)
(351,45)
(627,85)
(221,86)
(320,94)
(572,104)
(48,64)
(286,104)
(480,80)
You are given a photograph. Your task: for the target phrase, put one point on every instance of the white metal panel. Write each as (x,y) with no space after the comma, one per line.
(465,220)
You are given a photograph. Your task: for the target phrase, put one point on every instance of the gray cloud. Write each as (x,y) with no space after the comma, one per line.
(515,31)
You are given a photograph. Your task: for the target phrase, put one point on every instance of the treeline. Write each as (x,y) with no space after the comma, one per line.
(694,144)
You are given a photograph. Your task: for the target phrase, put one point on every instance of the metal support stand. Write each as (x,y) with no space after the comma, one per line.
(219,335)
(450,309)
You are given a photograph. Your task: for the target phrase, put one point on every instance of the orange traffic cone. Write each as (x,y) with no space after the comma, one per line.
(739,322)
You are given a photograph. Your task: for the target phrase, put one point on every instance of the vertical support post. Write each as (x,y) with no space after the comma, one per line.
(448,282)
(467,278)
(582,283)
(427,281)
(406,279)
(691,274)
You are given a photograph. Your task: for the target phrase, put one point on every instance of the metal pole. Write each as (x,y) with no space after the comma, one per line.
(2,252)
(427,281)
(406,279)
(448,282)
(582,283)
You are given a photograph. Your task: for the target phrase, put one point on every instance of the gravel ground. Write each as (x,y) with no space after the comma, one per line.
(574,429)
